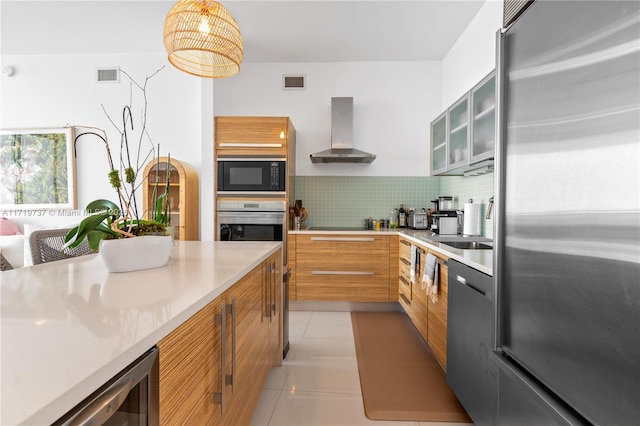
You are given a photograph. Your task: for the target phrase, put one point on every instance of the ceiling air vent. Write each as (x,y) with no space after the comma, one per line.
(292,82)
(108,75)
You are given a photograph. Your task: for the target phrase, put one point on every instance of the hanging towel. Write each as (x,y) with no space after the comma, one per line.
(414,260)
(430,277)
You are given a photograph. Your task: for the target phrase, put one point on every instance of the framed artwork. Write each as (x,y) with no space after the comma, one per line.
(37,169)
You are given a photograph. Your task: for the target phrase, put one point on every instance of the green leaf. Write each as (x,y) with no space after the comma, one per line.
(97,206)
(87,225)
(94,238)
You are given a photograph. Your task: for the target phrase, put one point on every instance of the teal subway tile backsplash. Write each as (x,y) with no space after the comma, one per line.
(348,200)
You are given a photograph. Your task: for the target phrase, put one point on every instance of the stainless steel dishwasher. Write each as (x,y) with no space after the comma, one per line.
(471,373)
(130,398)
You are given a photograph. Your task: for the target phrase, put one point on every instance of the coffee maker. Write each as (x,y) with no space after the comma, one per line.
(445,219)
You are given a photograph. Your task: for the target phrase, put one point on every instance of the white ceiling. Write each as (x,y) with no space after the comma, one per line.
(273,31)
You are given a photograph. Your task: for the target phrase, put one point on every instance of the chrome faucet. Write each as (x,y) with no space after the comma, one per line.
(490,208)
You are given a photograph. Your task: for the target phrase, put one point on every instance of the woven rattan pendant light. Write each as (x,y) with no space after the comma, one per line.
(203,39)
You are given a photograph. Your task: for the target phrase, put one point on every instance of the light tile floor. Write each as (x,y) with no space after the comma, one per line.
(318,383)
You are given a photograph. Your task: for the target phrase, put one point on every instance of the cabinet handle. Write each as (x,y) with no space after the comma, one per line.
(268,299)
(405,261)
(264,301)
(221,320)
(365,273)
(250,145)
(274,280)
(406,243)
(405,282)
(343,239)
(230,378)
(403,297)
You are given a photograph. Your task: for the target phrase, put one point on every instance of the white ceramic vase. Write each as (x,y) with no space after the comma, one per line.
(135,254)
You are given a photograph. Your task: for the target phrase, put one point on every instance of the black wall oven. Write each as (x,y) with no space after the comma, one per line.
(241,175)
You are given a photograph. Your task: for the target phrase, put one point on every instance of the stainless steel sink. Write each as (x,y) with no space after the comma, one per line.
(468,245)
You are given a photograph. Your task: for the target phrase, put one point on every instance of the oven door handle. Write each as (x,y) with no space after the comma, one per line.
(243,218)
(104,405)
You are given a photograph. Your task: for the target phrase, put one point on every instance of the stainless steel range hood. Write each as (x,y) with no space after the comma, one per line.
(342,150)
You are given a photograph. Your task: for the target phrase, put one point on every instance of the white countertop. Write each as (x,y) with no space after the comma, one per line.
(70,326)
(482,260)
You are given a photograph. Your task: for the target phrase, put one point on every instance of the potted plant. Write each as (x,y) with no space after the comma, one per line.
(112,221)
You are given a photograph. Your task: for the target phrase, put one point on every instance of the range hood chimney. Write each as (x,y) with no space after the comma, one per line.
(342,150)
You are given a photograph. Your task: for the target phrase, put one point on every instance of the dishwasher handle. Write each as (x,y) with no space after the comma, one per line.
(104,405)
(462,280)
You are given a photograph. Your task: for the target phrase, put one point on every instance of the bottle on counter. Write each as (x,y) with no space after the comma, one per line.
(402,217)
(393,219)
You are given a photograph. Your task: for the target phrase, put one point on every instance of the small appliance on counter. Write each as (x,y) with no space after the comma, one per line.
(445,222)
(418,220)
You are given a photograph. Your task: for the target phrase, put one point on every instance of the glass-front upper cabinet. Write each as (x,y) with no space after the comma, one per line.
(458,133)
(439,144)
(483,130)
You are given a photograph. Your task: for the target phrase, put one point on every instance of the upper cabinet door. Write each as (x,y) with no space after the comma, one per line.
(251,135)
(458,114)
(483,128)
(439,144)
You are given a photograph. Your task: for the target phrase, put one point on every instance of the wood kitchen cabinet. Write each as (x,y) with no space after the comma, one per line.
(292,264)
(190,371)
(413,297)
(254,136)
(184,195)
(341,267)
(430,318)
(394,267)
(438,314)
(223,353)
(273,303)
(246,359)
(405,288)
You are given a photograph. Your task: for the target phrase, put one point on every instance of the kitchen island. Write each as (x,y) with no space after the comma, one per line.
(70,326)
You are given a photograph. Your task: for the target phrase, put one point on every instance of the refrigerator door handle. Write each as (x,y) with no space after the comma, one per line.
(500,97)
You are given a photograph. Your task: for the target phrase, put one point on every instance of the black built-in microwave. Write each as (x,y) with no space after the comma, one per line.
(240,175)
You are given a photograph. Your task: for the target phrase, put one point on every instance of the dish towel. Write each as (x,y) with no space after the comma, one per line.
(414,261)
(430,277)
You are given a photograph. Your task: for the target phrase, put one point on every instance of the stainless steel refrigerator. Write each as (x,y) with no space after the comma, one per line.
(567,232)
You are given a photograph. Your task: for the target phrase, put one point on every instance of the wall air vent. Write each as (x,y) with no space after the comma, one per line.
(293,82)
(108,75)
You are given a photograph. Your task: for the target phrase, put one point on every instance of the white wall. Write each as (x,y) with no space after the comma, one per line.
(60,90)
(472,57)
(393,105)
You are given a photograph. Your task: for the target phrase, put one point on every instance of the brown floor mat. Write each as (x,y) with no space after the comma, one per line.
(400,378)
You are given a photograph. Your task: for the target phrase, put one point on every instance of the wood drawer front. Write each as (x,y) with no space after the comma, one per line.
(405,287)
(404,302)
(342,267)
(394,270)
(405,249)
(332,247)
(337,289)
(420,311)
(438,316)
